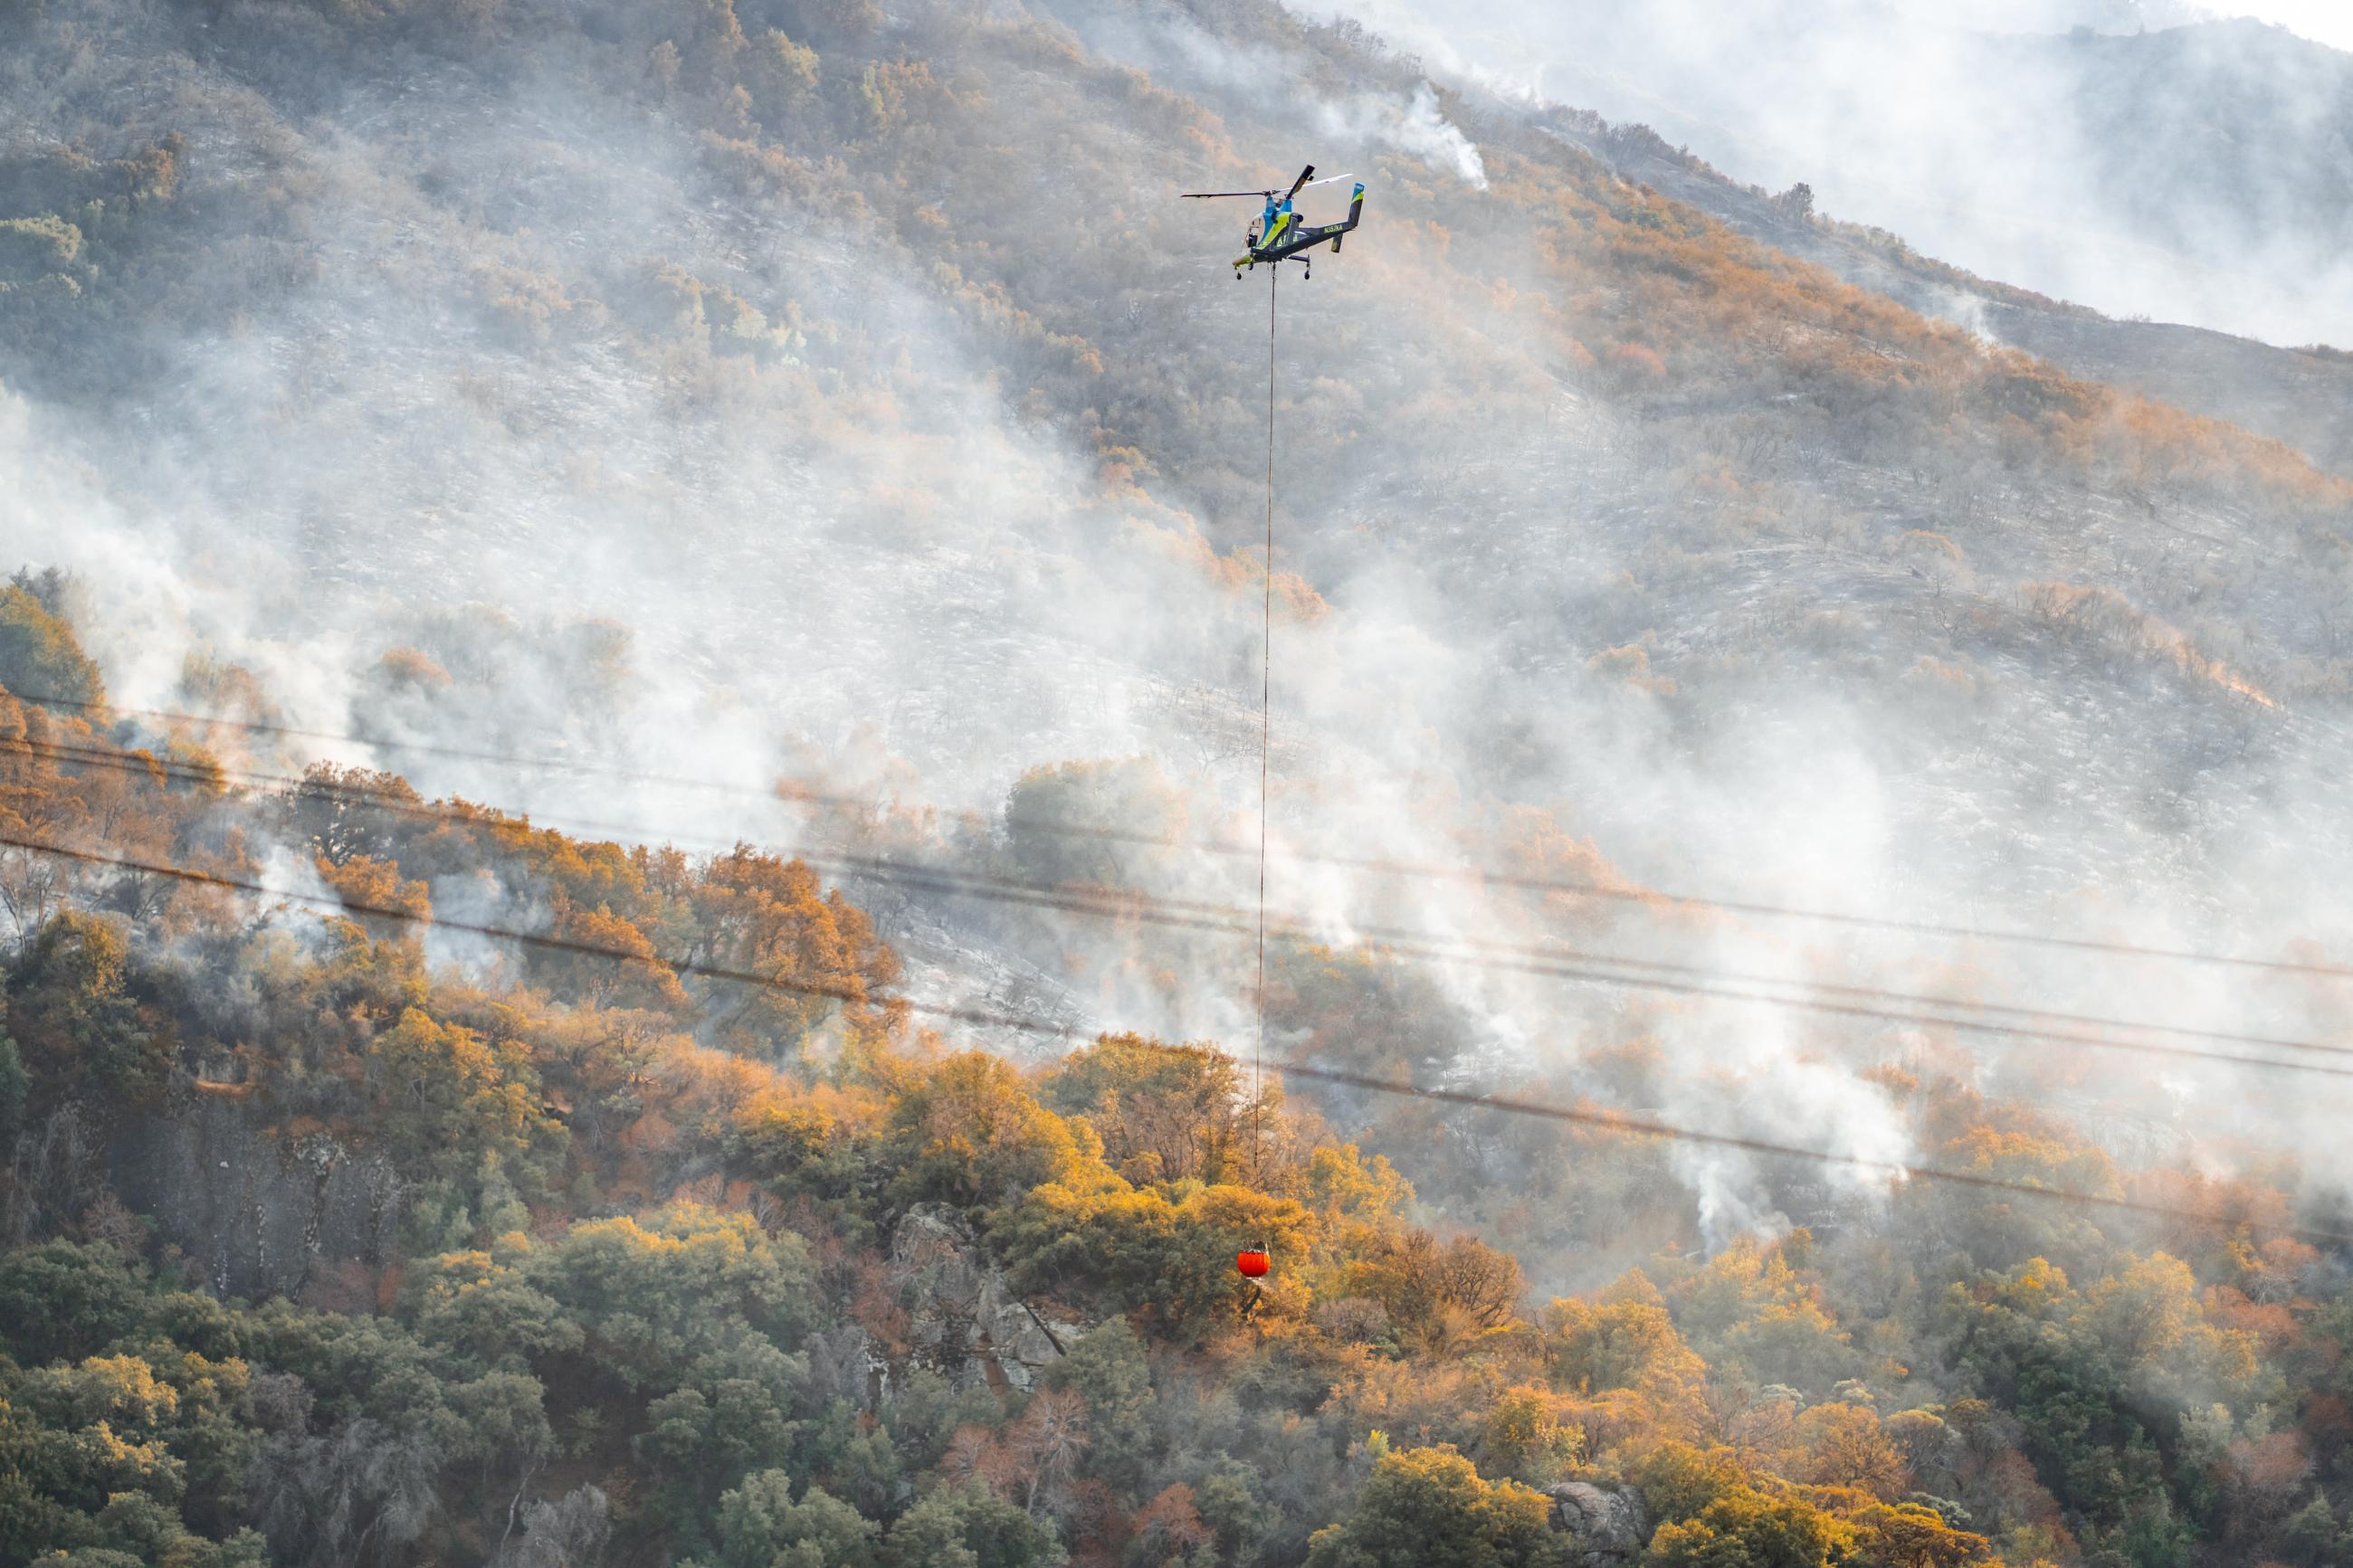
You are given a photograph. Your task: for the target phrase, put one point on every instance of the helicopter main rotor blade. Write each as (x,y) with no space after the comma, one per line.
(1212,195)
(1326,180)
(1305,175)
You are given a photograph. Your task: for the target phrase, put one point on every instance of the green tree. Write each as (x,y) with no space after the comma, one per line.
(1599,1346)
(1109,1369)
(74,1017)
(924,1414)
(1908,1535)
(1679,1481)
(970,1527)
(456,1103)
(1340,1184)
(97,1457)
(760,1526)
(2310,1536)
(481,1306)
(1526,1440)
(863,1468)
(16,1084)
(64,1301)
(687,1283)
(1228,1501)
(735,1414)
(1428,1507)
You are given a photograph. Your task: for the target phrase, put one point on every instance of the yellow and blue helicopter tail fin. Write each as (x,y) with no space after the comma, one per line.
(1356,216)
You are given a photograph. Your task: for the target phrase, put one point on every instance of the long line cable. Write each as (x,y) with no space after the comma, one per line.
(804,791)
(1551,961)
(333,907)
(1265,720)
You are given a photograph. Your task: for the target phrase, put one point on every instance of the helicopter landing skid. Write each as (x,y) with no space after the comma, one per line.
(1308,275)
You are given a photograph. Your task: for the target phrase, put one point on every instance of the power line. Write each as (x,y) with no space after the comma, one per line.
(1543,961)
(1643,1127)
(1650,899)
(1610,1121)
(1548,961)
(1654,974)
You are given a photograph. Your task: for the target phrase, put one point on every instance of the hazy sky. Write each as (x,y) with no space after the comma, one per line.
(2323,21)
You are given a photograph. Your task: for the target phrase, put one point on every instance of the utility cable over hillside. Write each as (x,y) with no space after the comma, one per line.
(331,906)
(1545,960)
(809,791)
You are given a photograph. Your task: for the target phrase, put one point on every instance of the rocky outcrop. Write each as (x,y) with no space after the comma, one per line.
(1608,1526)
(256,1213)
(963,1320)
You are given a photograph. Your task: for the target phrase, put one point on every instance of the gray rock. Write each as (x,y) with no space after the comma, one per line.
(257,1213)
(966,1322)
(1609,1525)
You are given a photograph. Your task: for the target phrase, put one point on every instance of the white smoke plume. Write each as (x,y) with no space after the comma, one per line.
(1418,126)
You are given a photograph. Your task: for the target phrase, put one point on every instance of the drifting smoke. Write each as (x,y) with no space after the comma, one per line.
(1410,121)
(1418,127)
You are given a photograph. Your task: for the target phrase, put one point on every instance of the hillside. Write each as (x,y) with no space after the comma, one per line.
(2300,396)
(660,1233)
(2151,162)
(722,542)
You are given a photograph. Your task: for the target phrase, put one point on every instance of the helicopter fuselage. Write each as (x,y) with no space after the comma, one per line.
(1279,234)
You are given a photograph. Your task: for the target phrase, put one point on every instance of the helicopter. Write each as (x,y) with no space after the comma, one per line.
(1278,234)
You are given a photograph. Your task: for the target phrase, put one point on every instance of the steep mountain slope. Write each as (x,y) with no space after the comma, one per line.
(2301,396)
(690,422)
